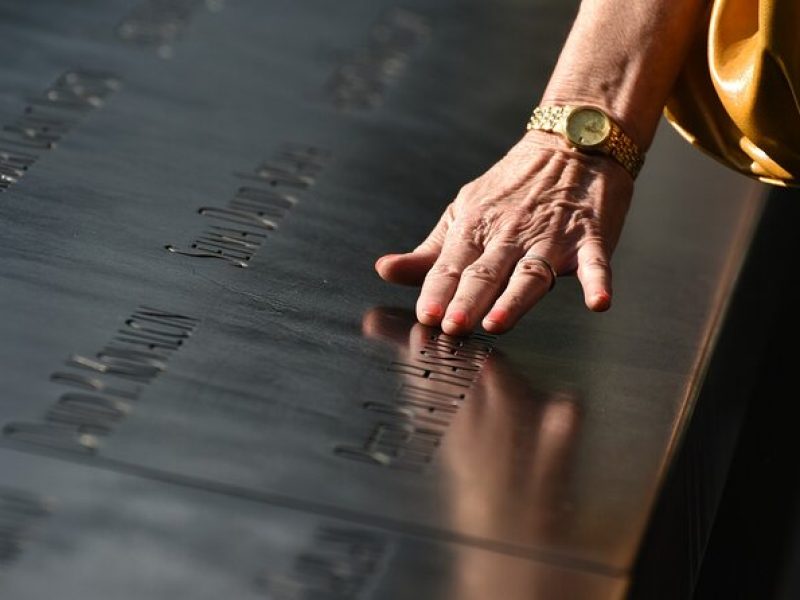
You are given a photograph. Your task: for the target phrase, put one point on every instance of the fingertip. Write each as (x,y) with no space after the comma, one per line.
(381,260)
(451,328)
(383,266)
(599,302)
(456,322)
(405,269)
(496,321)
(430,313)
(493,327)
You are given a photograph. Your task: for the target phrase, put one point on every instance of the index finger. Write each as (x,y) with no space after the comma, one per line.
(441,282)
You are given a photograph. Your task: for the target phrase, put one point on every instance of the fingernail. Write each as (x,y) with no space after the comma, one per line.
(434,309)
(497,315)
(381,259)
(459,317)
(601,301)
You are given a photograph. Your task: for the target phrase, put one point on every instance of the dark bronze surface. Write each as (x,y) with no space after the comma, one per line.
(109,535)
(283,402)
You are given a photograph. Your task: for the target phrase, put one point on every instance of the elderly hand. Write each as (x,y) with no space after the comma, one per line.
(544,198)
(541,198)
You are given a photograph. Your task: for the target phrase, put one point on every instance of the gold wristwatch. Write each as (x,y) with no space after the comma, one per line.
(589,129)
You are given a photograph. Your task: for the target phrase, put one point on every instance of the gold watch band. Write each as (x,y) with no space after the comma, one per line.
(617,144)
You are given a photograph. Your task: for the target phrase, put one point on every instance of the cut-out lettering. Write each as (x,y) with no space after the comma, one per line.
(109,382)
(240,229)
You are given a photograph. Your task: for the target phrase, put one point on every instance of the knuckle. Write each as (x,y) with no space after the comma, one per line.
(535,271)
(596,262)
(583,216)
(445,271)
(467,189)
(469,239)
(482,272)
(506,232)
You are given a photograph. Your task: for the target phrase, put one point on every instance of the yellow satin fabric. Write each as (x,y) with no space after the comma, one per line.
(738,97)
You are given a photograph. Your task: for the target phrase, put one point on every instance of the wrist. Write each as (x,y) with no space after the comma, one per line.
(543,139)
(639,123)
(589,130)
(536,140)
(623,57)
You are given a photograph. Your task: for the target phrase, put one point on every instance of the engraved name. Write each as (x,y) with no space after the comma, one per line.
(47,117)
(409,427)
(158,23)
(342,564)
(104,387)
(361,81)
(19,513)
(238,230)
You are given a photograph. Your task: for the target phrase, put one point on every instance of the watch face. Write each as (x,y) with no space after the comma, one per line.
(587,127)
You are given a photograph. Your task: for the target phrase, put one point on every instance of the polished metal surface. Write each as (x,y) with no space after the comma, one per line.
(107,535)
(206,388)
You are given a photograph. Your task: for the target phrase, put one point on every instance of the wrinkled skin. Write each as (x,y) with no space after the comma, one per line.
(542,197)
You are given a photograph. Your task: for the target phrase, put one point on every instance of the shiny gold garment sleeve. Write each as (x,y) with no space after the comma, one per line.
(738,97)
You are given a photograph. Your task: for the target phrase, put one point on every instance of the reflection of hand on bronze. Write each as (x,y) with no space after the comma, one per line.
(506,454)
(396,326)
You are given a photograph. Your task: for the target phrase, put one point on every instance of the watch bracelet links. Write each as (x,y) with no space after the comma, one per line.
(623,149)
(546,117)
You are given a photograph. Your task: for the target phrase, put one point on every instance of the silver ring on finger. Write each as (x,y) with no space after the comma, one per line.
(541,259)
